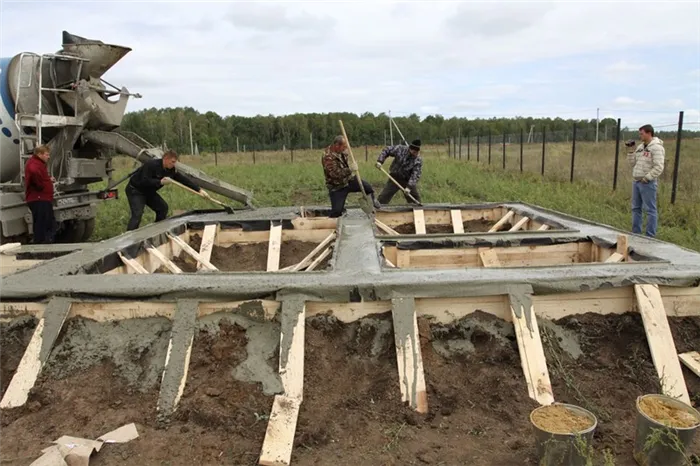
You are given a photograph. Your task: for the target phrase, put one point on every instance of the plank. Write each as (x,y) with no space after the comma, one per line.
(691,360)
(502,221)
(177,360)
(408,354)
(5,248)
(274,247)
(661,344)
(385,228)
(419,221)
(403,258)
(457,223)
(279,436)
(170,265)
(521,223)
(623,246)
(188,249)
(37,353)
(314,223)
(543,227)
(327,252)
(615,257)
(489,258)
(132,264)
(227,237)
(532,357)
(307,260)
(208,240)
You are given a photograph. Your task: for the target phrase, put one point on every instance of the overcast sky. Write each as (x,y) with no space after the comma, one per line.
(636,61)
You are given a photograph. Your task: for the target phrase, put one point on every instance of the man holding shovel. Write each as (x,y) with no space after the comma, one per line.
(340,176)
(406,170)
(144,184)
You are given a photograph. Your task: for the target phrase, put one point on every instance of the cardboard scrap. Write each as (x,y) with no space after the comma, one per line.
(75,451)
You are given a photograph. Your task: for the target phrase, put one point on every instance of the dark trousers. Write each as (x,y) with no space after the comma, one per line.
(339,196)
(138,201)
(42,221)
(390,189)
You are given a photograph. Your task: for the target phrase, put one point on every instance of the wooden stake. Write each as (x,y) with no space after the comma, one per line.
(195,255)
(320,258)
(306,260)
(131,263)
(543,227)
(457,224)
(385,228)
(208,241)
(614,257)
(623,246)
(274,247)
(502,221)
(408,354)
(521,223)
(419,221)
(661,344)
(163,260)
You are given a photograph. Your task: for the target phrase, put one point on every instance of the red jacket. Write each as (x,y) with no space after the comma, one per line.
(37,181)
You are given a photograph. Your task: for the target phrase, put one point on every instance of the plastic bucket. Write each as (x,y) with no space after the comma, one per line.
(667,445)
(559,449)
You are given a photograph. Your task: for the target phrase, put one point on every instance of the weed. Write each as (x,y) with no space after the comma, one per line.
(666,438)
(395,434)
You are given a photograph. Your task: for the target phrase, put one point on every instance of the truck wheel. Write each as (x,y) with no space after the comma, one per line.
(72,231)
(89,229)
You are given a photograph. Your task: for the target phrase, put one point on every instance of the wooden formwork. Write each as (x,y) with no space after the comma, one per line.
(654,303)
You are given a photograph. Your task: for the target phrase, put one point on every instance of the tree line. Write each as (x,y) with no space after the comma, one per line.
(213,133)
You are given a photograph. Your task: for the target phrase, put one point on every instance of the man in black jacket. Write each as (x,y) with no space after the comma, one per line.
(144,184)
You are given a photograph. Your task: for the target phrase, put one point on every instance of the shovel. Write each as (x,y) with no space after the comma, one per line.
(366,203)
(400,187)
(204,194)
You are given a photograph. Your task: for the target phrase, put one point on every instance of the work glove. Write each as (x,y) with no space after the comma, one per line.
(203,193)
(353,167)
(407,190)
(378,165)
(165,181)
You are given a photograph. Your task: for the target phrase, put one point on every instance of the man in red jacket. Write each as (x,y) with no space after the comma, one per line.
(38,193)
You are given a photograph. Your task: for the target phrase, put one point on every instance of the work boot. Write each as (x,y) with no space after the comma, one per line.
(377,205)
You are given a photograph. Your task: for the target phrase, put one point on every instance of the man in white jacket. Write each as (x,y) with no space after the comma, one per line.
(647,163)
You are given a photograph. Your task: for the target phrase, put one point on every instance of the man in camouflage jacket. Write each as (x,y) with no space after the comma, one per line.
(406,169)
(647,163)
(340,176)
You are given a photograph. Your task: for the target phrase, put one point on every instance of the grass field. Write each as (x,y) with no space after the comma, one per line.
(276,181)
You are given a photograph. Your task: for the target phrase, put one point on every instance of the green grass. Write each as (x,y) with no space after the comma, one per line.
(275,183)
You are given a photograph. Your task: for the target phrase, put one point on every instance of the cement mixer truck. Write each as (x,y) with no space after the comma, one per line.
(60,99)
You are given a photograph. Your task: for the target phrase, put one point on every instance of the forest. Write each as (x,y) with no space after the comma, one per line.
(213,133)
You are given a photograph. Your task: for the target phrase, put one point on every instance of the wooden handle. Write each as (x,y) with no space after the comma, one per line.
(397,184)
(197,192)
(347,142)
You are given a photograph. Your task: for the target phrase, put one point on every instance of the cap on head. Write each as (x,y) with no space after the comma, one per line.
(415,145)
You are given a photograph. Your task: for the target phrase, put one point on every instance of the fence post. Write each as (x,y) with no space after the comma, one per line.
(521,150)
(366,153)
(617,153)
(449,148)
(489,146)
(454,143)
(460,143)
(291,150)
(573,153)
(504,150)
(216,159)
(544,145)
(468,145)
(678,157)
(478,145)
(253,154)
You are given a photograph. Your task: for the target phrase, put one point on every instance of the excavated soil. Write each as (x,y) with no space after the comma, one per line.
(14,338)
(470,226)
(352,412)
(250,257)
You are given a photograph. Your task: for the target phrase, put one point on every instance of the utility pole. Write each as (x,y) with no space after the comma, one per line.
(237,146)
(191,142)
(597,123)
(311,141)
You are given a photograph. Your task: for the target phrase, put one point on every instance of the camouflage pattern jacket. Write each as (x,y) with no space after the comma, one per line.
(336,169)
(405,165)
